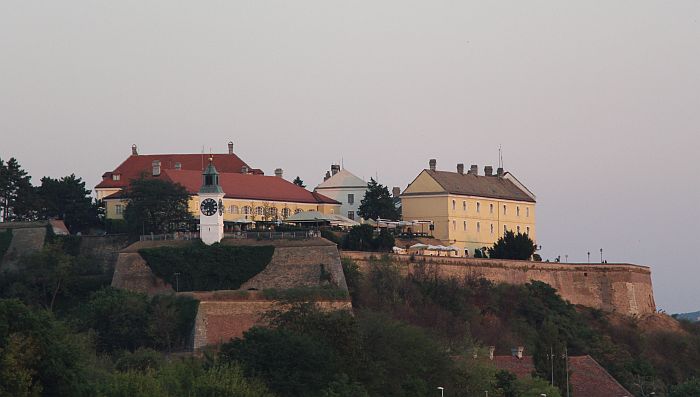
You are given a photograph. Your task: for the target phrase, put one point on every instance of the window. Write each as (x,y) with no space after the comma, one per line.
(119,209)
(271,212)
(259,210)
(518,228)
(285,212)
(478,227)
(116,177)
(178,166)
(454,205)
(505,229)
(492,228)
(464,205)
(490,208)
(517,211)
(465,226)
(527,212)
(454,225)
(527,230)
(233,209)
(298,210)
(247,210)
(351,215)
(351,198)
(478,206)
(505,210)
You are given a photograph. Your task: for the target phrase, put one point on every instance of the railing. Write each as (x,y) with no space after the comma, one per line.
(297,235)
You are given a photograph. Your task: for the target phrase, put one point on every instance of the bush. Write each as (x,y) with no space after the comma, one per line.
(361,238)
(303,294)
(513,246)
(207,268)
(141,360)
(5,240)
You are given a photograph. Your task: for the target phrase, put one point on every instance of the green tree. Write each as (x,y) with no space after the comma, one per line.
(297,181)
(156,206)
(513,246)
(67,199)
(360,238)
(690,388)
(17,196)
(378,203)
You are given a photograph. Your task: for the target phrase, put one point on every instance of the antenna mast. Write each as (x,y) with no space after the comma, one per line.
(500,157)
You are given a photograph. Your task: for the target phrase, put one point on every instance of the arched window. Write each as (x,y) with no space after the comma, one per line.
(464,205)
(233,209)
(271,212)
(478,206)
(247,210)
(454,204)
(285,212)
(504,209)
(490,208)
(517,211)
(259,210)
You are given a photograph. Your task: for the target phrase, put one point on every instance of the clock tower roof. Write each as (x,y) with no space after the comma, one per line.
(210,179)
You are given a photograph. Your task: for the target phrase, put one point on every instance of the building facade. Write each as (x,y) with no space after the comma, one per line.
(469,210)
(250,196)
(346,188)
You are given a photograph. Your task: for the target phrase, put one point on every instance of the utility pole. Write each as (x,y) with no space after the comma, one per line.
(589,256)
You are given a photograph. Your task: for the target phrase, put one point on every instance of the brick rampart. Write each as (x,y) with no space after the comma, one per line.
(622,288)
(219,319)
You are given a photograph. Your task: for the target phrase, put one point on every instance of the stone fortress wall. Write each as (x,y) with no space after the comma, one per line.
(619,288)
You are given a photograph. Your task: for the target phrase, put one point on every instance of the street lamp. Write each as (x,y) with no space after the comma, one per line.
(442,391)
(601,255)
(589,256)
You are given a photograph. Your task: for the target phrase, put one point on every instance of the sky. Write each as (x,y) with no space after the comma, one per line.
(596,104)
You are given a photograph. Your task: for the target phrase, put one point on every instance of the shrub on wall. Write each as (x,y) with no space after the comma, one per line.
(5,239)
(207,268)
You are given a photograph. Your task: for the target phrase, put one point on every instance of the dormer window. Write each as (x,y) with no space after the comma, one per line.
(116,177)
(178,166)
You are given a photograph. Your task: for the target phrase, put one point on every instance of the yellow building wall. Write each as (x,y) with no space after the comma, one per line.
(467,222)
(111,208)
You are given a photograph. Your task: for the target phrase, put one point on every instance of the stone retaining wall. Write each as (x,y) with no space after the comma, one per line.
(622,288)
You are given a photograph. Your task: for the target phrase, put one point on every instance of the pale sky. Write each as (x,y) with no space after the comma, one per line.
(596,103)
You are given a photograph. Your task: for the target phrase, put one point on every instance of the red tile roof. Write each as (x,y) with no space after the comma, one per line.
(136,165)
(246,187)
(588,378)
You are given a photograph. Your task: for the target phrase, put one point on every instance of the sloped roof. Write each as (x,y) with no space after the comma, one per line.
(587,378)
(136,165)
(342,178)
(245,187)
(478,185)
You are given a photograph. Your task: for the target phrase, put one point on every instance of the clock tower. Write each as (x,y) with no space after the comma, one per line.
(211,206)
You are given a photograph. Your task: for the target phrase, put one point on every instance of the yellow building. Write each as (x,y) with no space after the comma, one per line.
(469,210)
(250,196)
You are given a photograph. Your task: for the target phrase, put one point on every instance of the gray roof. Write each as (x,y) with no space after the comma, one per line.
(479,185)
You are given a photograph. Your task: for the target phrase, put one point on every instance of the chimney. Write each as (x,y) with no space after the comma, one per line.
(460,169)
(335,168)
(488,170)
(492,349)
(396,191)
(244,170)
(499,171)
(134,151)
(474,170)
(432,163)
(278,172)
(327,177)
(156,167)
(230,147)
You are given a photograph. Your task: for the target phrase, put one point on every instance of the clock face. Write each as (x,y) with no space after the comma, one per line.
(221,207)
(208,207)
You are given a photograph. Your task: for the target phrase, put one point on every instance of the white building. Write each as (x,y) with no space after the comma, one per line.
(341,185)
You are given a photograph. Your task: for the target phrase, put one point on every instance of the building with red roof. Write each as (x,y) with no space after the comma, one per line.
(250,195)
